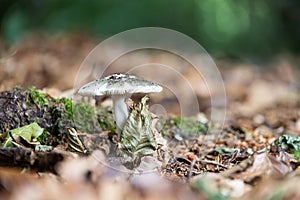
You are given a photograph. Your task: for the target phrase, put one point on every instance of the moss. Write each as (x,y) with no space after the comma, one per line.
(55,115)
(43,137)
(183,126)
(189,125)
(85,118)
(38,98)
(68,106)
(106,119)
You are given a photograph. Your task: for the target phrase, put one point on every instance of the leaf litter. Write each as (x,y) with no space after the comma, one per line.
(231,165)
(255,156)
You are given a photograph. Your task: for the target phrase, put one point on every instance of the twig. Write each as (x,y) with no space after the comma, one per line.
(191,168)
(211,162)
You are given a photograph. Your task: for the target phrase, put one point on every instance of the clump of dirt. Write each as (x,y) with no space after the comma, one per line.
(21,107)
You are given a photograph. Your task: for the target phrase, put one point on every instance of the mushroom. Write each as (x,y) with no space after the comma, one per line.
(119,87)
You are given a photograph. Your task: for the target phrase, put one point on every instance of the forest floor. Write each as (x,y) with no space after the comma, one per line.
(256,154)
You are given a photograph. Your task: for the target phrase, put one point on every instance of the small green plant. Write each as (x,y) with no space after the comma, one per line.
(290,144)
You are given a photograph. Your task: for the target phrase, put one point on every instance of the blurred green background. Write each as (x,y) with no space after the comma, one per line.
(228,28)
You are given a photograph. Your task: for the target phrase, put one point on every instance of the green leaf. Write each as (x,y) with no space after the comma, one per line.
(137,138)
(297,154)
(288,142)
(28,132)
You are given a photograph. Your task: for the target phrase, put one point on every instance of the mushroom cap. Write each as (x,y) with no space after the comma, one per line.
(119,84)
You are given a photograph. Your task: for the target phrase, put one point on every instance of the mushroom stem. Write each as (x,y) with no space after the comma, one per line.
(120,111)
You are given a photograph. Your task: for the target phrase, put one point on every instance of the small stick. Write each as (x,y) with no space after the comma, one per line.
(211,162)
(191,168)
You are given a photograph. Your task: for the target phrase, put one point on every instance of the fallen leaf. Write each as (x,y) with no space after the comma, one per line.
(137,138)
(29,133)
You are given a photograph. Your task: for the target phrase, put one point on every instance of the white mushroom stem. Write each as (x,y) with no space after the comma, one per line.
(120,111)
